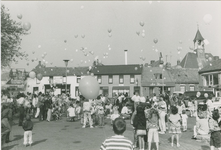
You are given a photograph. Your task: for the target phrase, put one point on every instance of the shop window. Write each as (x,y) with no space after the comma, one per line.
(192,88)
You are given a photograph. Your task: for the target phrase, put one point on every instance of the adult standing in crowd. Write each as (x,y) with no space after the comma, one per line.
(162,107)
(136,99)
(34,104)
(48,106)
(6,118)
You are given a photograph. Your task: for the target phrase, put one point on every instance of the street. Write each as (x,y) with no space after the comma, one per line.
(57,135)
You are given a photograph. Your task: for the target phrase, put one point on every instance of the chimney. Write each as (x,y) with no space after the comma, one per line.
(125,53)
(178,62)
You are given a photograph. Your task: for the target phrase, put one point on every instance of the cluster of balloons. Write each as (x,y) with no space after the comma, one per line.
(109,32)
(142,58)
(26,25)
(179,49)
(105,55)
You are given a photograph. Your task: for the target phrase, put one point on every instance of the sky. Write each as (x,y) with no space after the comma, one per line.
(60,30)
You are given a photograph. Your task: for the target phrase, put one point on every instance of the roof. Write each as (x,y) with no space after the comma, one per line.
(148,77)
(198,37)
(117,69)
(53,71)
(81,71)
(185,75)
(213,66)
(157,63)
(189,61)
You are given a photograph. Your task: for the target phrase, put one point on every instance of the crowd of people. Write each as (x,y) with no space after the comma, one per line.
(149,116)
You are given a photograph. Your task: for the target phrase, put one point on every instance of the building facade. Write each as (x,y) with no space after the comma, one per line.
(118,79)
(210,77)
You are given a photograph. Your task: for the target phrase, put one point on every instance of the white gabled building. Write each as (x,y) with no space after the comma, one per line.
(55,78)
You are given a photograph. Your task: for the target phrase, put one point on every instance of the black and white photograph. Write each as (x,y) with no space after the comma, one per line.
(110,75)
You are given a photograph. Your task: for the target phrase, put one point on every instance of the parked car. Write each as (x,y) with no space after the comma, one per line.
(196,95)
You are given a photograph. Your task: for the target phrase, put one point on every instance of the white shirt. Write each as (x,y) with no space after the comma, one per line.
(71,111)
(34,101)
(136,98)
(184,117)
(124,110)
(21,100)
(142,99)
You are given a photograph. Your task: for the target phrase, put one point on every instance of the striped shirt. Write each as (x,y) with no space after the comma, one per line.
(117,142)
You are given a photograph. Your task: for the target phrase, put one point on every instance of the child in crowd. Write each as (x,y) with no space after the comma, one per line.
(55,112)
(115,114)
(71,112)
(100,113)
(153,127)
(180,107)
(119,126)
(139,124)
(125,112)
(191,107)
(174,120)
(215,128)
(184,118)
(78,110)
(28,126)
(93,113)
(87,113)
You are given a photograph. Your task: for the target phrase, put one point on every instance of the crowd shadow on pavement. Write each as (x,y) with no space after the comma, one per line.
(40,141)
(205,147)
(9,147)
(17,137)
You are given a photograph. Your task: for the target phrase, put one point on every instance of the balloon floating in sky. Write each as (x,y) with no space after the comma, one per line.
(207,56)
(39,76)
(207,18)
(82,7)
(141,50)
(143,34)
(32,74)
(27,26)
(33,52)
(156,50)
(180,42)
(109,48)
(109,34)
(155,41)
(191,48)
(82,35)
(39,46)
(138,33)
(19,16)
(76,50)
(76,36)
(89,87)
(65,41)
(142,23)
(178,52)
(27,64)
(210,58)
(109,30)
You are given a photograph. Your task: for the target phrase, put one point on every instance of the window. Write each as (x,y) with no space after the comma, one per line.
(110,79)
(158,76)
(215,79)
(182,88)
(99,79)
(121,79)
(211,79)
(78,79)
(192,88)
(132,79)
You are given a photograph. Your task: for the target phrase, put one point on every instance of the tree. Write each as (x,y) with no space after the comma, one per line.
(11,32)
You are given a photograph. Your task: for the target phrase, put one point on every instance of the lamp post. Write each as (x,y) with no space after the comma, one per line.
(66,64)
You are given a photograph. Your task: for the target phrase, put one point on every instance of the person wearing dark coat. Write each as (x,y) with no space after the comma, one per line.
(6,120)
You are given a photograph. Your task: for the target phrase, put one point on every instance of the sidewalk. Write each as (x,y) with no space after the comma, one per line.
(57,135)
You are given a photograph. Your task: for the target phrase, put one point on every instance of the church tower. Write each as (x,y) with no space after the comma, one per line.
(199,48)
